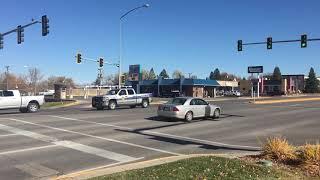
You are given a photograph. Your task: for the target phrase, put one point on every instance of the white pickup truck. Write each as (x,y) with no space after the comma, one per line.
(11,99)
(121,97)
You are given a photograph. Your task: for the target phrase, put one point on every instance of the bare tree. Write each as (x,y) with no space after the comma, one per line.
(177,74)
(34,76)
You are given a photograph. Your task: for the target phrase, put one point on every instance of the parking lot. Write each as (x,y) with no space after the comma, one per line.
(66,140)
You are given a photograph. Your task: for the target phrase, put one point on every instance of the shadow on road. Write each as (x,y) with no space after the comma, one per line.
(186,141)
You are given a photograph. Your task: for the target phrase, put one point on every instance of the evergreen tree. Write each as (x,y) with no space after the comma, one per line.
(276,74)
(211,75)
(164,74)
(216,74)
(152,75)
(312,83)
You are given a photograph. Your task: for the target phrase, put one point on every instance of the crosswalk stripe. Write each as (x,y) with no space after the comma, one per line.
(68,144)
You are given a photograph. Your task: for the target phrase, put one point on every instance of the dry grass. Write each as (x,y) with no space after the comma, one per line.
(310,158)
(278,148)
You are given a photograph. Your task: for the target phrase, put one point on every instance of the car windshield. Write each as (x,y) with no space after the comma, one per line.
(113,92)
(177,101)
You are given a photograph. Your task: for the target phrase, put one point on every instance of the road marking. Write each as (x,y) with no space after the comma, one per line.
(6,135)
(72,145)
(171,135)
(72,119)
(97,137)
(96,151)
(28,149)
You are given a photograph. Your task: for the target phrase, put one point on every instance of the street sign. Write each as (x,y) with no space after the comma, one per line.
(134,72)
(255,69)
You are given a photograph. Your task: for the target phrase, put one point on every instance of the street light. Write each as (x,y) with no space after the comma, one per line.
(120,37)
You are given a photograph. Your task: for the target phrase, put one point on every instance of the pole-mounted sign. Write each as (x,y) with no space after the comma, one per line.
(255,69)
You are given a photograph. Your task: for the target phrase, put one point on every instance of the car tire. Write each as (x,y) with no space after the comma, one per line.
(23,110)
(144,104)
(216,114)
(133,106)
(189,116)
(32,107)
(112,105)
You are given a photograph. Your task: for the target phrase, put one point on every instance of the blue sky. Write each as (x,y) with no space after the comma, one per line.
(189,35)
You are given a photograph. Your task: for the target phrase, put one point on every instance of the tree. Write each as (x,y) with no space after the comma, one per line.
(98,81)
(34,76)
(312,83)
(193,77)
(216,74)
(152,75)
(276,74)
(211,75)
(145,74)
(177,74)
(111,79)
(164,74)
(59,80)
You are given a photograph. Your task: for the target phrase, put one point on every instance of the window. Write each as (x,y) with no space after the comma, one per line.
(122,93)
(1,94)
(193,102)
(177,101)
(7,93)
(130,92)
(113,92)
(201,102)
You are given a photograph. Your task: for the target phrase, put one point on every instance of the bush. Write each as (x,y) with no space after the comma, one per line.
(310,158)
(279,149)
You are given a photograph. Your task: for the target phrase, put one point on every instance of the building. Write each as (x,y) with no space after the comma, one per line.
(289,84)
(177,87)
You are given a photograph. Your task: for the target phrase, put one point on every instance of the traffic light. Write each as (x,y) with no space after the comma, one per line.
(269,43)
(79,58)
(304,41)
(20,33)
(45,25)
(101,62)
(239,45)
(1,41)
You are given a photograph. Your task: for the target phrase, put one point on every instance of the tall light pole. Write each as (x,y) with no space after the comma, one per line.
(120,37)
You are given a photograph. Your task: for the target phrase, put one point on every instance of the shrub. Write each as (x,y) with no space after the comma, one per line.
(310,157)
(279,149)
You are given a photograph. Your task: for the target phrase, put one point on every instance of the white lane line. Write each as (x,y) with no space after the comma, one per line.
(97,137)
(6,135)
(28,149)
(69,144)
(169,135)
(96,151)
(72,119)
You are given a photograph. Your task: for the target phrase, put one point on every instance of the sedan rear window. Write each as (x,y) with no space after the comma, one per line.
(177,101)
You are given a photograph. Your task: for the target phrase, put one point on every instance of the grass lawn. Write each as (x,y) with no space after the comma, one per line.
(54,104)
(204,168)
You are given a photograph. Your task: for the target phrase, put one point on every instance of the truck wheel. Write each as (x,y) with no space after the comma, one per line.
(33,107)
(112,105)
(145,104)
(23,110)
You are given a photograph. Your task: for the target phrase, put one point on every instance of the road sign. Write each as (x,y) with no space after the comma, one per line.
(255,69)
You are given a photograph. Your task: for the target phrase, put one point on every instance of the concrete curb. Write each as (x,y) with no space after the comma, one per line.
(286,100)
(100,171)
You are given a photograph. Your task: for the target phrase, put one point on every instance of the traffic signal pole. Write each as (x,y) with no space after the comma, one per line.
(303,41)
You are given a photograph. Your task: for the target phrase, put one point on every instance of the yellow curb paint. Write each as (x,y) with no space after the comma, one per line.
(286,100)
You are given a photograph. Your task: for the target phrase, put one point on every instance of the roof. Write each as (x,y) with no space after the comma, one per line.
(200,82)
(170,82)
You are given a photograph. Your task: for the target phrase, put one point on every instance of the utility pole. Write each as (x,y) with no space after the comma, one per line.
(100,76)
(7,75)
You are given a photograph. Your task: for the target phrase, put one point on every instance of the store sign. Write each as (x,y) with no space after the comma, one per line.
(255,69)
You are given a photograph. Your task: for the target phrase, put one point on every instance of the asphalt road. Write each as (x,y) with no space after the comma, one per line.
(66,140)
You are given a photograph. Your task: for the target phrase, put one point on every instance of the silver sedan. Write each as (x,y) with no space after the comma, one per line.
(188,108)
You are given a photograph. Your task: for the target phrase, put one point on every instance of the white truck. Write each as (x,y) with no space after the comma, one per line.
(121,97)
(12,99)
